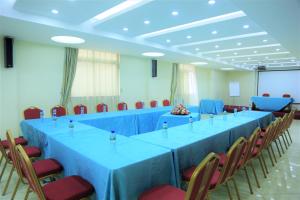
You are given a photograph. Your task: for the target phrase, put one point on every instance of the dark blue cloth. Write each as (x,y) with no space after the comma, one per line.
(271,103)
(211,106)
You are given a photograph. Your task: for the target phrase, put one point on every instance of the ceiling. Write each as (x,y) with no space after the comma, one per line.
(229,33)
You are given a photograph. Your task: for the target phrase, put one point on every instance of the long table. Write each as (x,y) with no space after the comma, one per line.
(130,165)
(271,103)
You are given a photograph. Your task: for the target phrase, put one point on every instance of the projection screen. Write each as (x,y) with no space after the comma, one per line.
(277,83)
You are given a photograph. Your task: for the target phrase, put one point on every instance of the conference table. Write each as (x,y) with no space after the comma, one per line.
(124,168)
(176,120)
(271,103)
(211,106)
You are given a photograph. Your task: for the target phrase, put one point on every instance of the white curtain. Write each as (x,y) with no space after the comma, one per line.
(96,79)
(187,88)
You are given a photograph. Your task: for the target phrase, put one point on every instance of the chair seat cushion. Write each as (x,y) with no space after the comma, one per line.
(223,158)
(214,180)
(46,167)
(32,152)
(187,174)
(19,140)
(259,142)
(255,152)
(68,188)
(163,192)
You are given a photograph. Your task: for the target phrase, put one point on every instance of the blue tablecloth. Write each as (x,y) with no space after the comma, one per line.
(115,169)
(190,144)
(175,120)
(271,103)
(210,106)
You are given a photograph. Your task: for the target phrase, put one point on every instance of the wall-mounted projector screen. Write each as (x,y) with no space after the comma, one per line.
(277,83)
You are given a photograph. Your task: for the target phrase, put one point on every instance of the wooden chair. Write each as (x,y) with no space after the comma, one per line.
(197,189)
(32,113)
(266,95)
(166,102)
(58,111)
(139,105)
(153,104)
(71,188)
(122,106)
(80,109)
(102,107)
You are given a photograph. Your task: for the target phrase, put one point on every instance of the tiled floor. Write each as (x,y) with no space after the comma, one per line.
(283,182)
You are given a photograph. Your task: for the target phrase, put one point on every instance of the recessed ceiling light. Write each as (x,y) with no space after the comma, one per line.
(293,60)
(175,13)
(197,49)
(212,20)
(239,43)
(119,9)
(153,54)
(254,51)
(211,2)
(218,55)
(125,29)
(227,68)
(54,11)
(277,49)
(249,58)
(199,63)
(266,57)
(255,55)
(67,39)
(265,40)
(235,53)
(216,46)
(214,32)
(232,59)
(188,37)
(246,26)
(146,22)
(168,41)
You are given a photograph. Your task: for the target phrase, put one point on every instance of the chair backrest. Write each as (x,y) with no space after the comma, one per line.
(122,106)
(266,95)
(291,118)
(153,103)
(200,181)
(79,108)
(233,157)
(32,113)
(29,172)
(139,105)
(13,153)
(58,110)
(286,96)
(3,151)
(251,145)
(102,107)
(166,102)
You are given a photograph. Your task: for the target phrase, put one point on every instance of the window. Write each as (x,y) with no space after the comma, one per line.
(97,74)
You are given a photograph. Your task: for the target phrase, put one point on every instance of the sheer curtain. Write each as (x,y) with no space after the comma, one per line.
(187,88)
(96,80)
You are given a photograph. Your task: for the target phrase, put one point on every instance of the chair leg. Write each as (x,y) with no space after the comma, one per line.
(286,139)
(262,166)
(270,156)
(228,190)
(254,172)
(4,167)
(273,153)
(27,193)
(16,189)
(280,145)
(264,162)
(288,132)
(275,141)
(1,160)
(8,181)
(236,189)
(284,142)
(248,179)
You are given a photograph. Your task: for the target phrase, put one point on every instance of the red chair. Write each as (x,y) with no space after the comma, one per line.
(139,105)
(166,102)
(71,188)
(266,95)
(58,110)
(43,168)
(32,113)
(286,96)
(102,107)
(122,106)
(79,108)
(197,188)
(225,173)
(153,104)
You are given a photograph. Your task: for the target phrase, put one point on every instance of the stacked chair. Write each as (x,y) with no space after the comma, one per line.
(102,107)
(139,105)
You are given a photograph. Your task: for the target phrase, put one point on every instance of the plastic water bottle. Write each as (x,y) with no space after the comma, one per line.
(191,120)
(71,124)
(42,114)
(211,119)
(54,114)
(235,112)
(81,110)
(104,108)
(165,126)
(112,136)
(225,115)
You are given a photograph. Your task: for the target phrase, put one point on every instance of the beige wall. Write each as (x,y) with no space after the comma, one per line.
(37,76)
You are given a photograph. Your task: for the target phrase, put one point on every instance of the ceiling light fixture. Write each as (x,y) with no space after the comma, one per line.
(197,49)
(54,11)
(239,43)
(211,2)
(168,41)
(199,63)
(246,26)
(175,13)
(118,10)
(153,54)
(125,29)
(67,39)
(146,22)
(194,24)
(253,55)
(214,32)
(277,49)
(188,37)
(254,51)
(223,39)
(235,53)
(216,46)
(265,40)
(227,68)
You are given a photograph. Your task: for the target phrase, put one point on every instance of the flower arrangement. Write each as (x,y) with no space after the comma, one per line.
(180,110)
